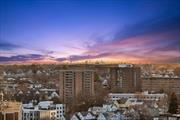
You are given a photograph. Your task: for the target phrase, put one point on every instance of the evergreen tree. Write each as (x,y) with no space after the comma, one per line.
(173,104)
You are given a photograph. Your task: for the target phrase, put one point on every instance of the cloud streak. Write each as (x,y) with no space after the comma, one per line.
(8,46)
(156,40)
(22,58)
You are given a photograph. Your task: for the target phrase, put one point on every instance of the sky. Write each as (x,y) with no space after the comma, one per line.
(134,31)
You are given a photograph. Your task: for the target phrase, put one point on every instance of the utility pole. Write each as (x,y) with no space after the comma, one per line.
(2,96)
(1,102)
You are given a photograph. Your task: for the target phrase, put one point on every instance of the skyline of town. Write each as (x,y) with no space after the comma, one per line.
(114,92)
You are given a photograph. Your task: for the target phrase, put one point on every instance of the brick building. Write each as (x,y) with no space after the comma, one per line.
(167,85)
(76,82)
(126,78)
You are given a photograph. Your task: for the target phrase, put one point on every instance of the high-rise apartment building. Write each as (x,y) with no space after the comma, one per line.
(126,78)
(74,83)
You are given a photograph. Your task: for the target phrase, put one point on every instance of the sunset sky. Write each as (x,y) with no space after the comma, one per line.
(137,31)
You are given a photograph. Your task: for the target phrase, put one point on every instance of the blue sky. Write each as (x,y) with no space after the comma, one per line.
(109,30)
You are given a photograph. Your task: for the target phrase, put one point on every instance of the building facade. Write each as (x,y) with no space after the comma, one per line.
(126,78)
(10,110)
(141,96)
(74,83)
(31,114)
(45,110)
(61,111)
(167,85)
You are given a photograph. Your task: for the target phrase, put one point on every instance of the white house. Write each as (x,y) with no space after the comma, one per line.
(83,116)
(101,116)
(110,107)
(61,111)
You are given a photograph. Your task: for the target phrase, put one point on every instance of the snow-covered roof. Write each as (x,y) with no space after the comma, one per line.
(45,104)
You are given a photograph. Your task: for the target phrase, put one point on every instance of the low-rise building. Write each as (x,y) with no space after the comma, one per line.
(61,111)
(142,96)
(162,84)
(44,110)
(10,110)
(99,116)
(83,116)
